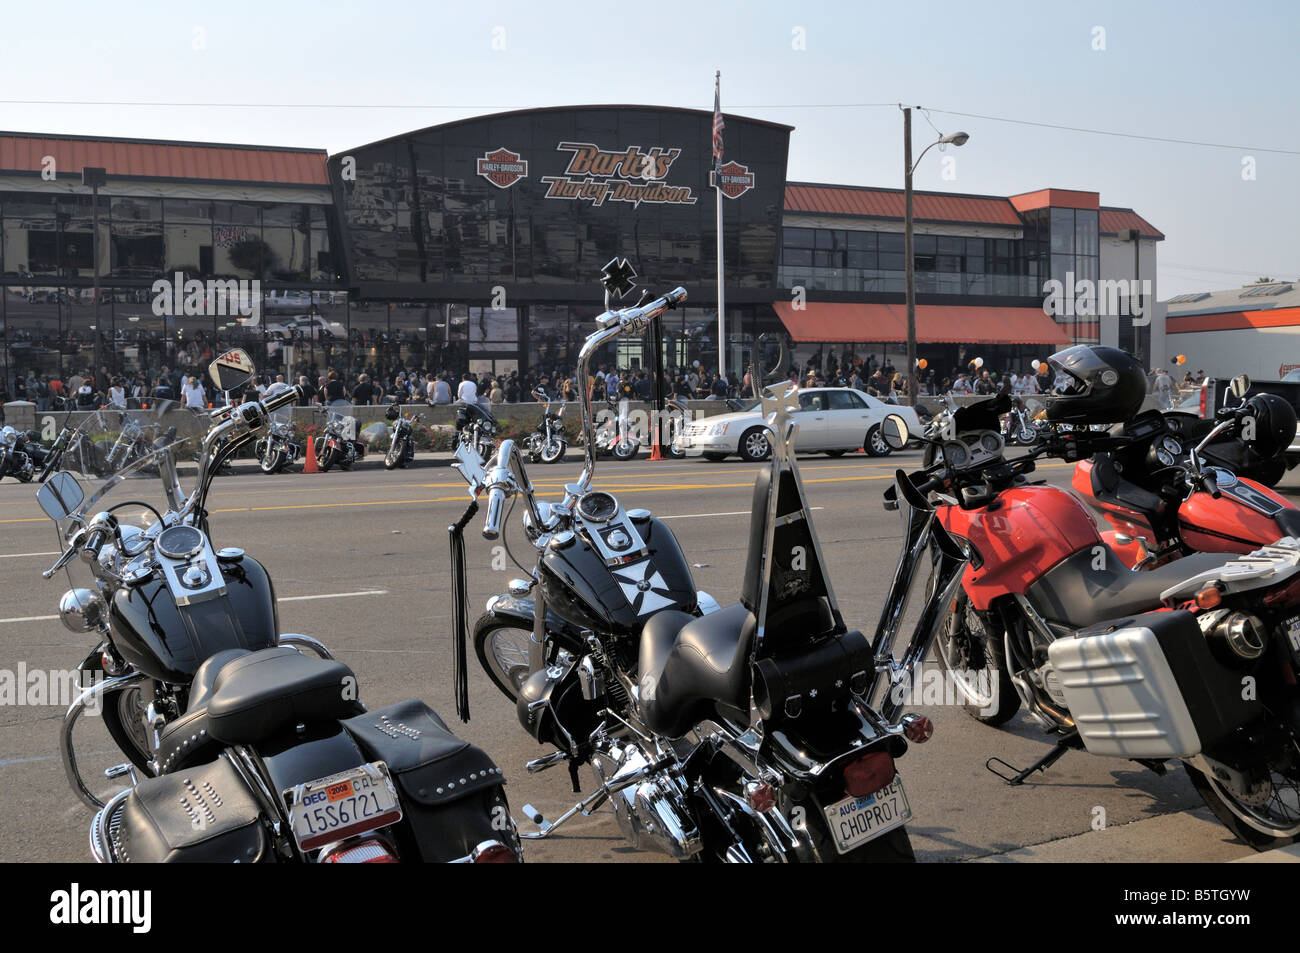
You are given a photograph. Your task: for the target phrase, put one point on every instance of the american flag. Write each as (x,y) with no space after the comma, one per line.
(718,124)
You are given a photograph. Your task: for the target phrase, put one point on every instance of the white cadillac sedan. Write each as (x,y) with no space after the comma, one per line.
(832,420)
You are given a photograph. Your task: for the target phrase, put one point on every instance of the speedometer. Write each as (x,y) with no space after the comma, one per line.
(597,506)
(1171,446)
(991,443)
(956,454)
(1165,457)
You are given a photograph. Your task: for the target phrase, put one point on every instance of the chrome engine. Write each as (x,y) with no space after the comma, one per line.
(648,813)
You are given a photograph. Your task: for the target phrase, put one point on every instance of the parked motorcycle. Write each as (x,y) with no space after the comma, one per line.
(21,454)
(401,445)
(547,444)
(1018,427)
(244,744)
(339,444)
(615,435)
(1049,616)
(280,447)
(1169,485)
(476,428)
(736,734)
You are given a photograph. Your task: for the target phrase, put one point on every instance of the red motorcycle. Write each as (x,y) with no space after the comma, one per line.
(1103,656)
(1170,486)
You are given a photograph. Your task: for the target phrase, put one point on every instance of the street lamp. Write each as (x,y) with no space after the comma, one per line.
(956,139)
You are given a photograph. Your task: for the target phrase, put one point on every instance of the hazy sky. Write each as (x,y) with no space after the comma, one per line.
(1207,71)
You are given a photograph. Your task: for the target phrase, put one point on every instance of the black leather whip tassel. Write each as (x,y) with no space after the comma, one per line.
(459,617)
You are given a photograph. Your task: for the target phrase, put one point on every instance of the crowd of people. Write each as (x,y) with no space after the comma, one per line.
(89,390)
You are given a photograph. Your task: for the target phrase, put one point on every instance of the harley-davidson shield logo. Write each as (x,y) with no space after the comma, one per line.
(503,168)
(736,180)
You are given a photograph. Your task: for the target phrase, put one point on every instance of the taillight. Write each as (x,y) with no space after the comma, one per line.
(371,850)
(760,796)
(1204,387)
(869,773)
(493,852)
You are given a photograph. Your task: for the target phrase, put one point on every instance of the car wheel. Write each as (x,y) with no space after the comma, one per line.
(836,453)
(715,457)
(754,445)
(875,443)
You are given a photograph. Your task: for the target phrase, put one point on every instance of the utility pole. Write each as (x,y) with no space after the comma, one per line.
(909,262)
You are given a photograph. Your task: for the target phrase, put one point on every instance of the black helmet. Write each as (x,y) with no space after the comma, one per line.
(393,413)
(1095,385)
(1274,426)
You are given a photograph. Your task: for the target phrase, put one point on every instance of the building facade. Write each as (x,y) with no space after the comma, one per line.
(477,245)
(1251,330)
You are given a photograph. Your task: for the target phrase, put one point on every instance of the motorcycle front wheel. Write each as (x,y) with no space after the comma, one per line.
(123,713)
(502,647)
(973,658)
(325,459)
(272,461)
(394,457)
(625,450)
(553,451)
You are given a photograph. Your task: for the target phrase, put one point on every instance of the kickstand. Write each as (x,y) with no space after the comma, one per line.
(1017,777)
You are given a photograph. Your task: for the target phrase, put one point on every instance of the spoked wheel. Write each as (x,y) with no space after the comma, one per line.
(272,461)
(503,646)
(553,451)
(325,459)
(625,450)
(973,658)
(1269,816)
(393,458)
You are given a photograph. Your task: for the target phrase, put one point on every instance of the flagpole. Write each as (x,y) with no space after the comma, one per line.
(717,185)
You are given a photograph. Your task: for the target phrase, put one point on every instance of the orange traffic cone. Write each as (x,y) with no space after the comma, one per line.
(309,465)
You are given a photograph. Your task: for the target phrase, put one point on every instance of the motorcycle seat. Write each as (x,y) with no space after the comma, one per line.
(1075,594)
(690,665)
(243,697)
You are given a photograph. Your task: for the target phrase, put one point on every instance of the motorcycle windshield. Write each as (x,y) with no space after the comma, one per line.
(114,452)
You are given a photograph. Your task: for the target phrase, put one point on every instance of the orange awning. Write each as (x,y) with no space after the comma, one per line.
(935,324)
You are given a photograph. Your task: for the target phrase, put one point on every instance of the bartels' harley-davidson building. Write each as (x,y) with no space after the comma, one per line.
(477,244)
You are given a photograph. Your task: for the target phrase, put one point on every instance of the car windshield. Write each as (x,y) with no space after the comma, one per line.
(1292,375)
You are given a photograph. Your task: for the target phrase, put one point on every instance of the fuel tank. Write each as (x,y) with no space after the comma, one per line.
(1122,519)
(583,591)
(168,642)
(1246,516)
(1019,536)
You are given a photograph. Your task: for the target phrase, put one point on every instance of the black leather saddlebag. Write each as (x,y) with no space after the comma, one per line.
(452,792)
(813,679)
(204,814)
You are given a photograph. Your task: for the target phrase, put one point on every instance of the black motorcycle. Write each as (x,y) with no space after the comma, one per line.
(21,454)
(244,744)
(476,428)
(547,444)
(736,734)
(280,447)
(339,445)
(401,446)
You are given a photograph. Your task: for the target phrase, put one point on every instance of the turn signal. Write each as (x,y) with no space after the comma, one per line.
(869,774)
(918,728)
(1209,598)
(760,795)
(369,851)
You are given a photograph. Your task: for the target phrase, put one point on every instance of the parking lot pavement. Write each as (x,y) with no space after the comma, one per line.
(360,560)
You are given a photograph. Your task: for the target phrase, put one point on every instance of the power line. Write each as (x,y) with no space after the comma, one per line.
(1221,271)
(159,104)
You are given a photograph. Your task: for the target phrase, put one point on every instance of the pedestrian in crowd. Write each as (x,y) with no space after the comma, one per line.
(117,395)
(308,392)
(334,393)
(364,392)
(194,395)
(1163,389)
(498,393)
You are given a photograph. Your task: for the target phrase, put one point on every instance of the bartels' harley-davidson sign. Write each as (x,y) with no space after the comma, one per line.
(598,176)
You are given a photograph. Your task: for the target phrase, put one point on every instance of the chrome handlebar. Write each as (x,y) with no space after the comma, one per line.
(611,325)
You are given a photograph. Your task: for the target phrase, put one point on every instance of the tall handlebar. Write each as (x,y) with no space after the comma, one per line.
(610,325)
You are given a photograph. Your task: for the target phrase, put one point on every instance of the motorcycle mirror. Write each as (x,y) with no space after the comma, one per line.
(60,496)
(894,431)
(232,370)
(1239,385)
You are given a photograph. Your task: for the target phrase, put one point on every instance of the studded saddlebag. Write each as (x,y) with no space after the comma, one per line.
(812,679)
(203,814)
(452,793)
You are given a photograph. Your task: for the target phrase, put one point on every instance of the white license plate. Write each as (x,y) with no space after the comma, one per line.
(856,820)
(1293,635)
(343,805)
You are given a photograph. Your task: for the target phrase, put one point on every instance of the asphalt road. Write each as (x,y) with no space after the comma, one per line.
(360,560)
